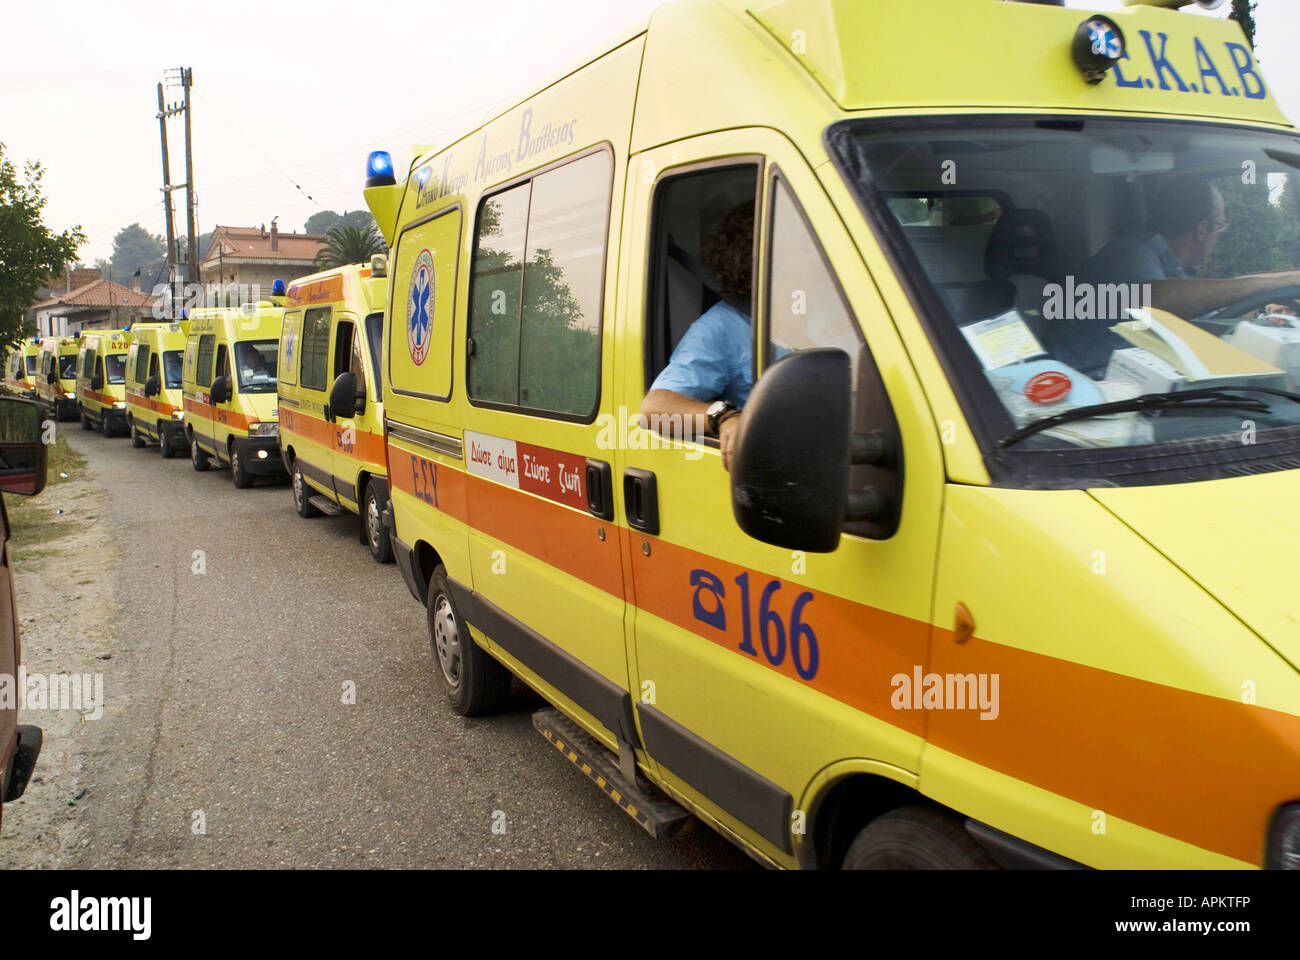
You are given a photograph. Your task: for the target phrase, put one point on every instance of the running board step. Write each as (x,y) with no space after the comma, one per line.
(325,505)
(657,815)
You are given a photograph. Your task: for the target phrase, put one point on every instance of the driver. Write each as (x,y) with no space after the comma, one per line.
(251,362)
(1188,218)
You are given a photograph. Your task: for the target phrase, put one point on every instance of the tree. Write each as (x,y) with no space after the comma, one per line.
(350,245)
(327,220)
(29,253)
(135,248)
(322,222)
(1243,11)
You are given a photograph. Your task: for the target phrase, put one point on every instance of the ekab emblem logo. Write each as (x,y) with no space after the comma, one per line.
(419,307)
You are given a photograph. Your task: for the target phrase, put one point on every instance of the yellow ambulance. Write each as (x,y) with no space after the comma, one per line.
(56,376)
(1002,361)
(229,392)
(101,380)
(20,367)
(154,405)
(331,400)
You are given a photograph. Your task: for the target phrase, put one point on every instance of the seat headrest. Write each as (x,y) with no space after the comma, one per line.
(1022,242)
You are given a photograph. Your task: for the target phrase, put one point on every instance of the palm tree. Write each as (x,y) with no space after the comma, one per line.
(350,245)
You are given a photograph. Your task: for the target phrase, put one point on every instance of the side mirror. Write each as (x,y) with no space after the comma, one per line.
(790,468)
(97,382)
(221,392)
(344,399)
(52,376)
(23,453)
(152,387)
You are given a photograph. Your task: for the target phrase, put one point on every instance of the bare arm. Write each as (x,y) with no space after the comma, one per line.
(680,417)
(1190,297)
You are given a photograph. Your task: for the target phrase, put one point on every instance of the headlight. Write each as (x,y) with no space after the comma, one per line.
(70,396)
(119,405)
(1284,839)
(268,429)
(178,414)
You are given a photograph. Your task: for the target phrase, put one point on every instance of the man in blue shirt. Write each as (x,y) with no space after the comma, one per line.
(1188,217)
(710,373)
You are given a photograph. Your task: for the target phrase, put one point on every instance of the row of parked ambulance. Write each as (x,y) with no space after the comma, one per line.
(944,606)
(221,386)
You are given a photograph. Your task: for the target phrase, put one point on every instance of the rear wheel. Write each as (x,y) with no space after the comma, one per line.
(137,438)
(381,548)
(916,838)
(475,682)
(242,478)
(301,493)
(198,457)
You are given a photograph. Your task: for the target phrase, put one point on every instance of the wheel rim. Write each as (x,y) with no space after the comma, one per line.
(372,521)
(446,641)
(298,493)
(234,462)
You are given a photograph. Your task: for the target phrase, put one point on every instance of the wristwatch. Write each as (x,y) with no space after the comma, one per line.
(718,413)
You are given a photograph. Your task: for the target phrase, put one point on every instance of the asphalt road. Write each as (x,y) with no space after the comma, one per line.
(224,706)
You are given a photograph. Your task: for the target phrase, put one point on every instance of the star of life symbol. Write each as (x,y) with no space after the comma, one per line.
(1105,42)
(419,299)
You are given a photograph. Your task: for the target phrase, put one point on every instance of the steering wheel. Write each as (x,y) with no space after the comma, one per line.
(1226,317)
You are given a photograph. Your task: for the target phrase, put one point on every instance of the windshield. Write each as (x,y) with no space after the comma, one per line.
(115,367)
(68,366)
(256,362)
(1073,262)
(172,369)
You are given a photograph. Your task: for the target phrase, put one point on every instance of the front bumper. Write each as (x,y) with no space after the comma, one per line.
(269,463)
(65,409)
(21,763)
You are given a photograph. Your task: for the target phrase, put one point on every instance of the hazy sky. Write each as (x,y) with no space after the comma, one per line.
(282,99)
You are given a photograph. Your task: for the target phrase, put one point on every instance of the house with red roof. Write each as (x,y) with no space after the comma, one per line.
(254,257)
(95,303)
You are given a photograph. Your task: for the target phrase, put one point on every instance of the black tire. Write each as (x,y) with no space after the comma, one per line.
(242,478)
(164,444)
(85,420)
(475,683)
(197,457)
(104,427)
(137,440)
(381,547)
(301,495)
(916,838)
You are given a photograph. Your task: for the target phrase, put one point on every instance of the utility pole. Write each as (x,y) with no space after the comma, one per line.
(191,236)
(163,113)
(184,78)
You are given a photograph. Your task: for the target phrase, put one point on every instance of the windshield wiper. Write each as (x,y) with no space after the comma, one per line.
(1202,398)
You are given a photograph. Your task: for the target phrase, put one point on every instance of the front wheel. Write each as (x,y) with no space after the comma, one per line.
(242,478)
(104,427)
(137,439)
(381,547)
(198,457)
(474,681)
(916,838)
(301,503)
(85,420)
(164,444)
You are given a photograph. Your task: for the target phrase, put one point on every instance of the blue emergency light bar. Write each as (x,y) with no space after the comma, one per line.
(379,169)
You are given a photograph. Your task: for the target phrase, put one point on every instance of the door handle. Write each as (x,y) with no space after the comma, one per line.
(641,500)
(600,489)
